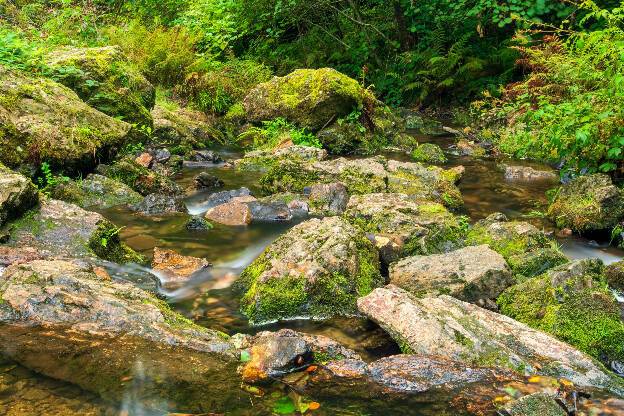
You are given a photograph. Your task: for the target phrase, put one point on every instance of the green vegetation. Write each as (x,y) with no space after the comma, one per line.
(277,131)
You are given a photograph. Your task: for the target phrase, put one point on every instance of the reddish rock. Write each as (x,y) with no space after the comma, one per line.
(144,160)
(231,213)
(176,269)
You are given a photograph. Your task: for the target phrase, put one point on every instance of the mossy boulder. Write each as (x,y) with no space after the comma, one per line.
(534,263)
(262,160)
(317,269)
(105,79)
(311,98)
(536,404)
(17,194)
(44,121)
(588,203)
(615,275)
(573,303)
(95,191)
(405,226)
(142,180)
(509,238)
(184,129)
(429,153)
(62,230)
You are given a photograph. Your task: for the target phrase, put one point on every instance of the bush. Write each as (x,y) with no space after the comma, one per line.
(276,131)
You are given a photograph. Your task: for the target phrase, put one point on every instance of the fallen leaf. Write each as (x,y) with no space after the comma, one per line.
(535,379)
(311,369)
(314,405)
(126,379)
(566,382)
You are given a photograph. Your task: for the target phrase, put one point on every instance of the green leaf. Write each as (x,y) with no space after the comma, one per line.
(245,356)
(284,406)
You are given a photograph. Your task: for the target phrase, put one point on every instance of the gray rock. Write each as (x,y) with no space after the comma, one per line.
(328,199)
(527,173)
(264,159)
(17,194)
(469,274)
(219,198)
(447,327)
(205,181)
(205,156)
(197,223)
(159,204)
(269,211)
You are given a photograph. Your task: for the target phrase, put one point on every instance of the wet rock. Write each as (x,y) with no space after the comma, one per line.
(404,225)
(17,194)
(48,119)
(269,211)
(450,328)
(469,274)
(205,181)
(328,199)
(537,404)
(176,269)
(17,255)
(62,230)
(615,275)
(508,238)
(265,159)
(197,223)
(468,148)
(572,302)
(95,191)
(296,205)
(145,160)
(275,354)
(58,317)
(527,173)
(536,262)
(142,180)
(205,156)
(588,203)
(318,268)
(230,213)
(219,198)
(162,155)
(429,153)
(159,204)
(104,79)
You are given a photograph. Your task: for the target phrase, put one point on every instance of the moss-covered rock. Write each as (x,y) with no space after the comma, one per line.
(317,269)
(509,238)
(534,263)
(429,153)
(17,194)
(184,129)
(262,160)
(104,79)
(615,275)
(142,180)
(96,190)
(573,303)
(43,121)
(588,203)
(311,98)
(536,404)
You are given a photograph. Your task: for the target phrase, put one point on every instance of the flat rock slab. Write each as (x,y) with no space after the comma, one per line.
(469,274)
(231,213)
(17,194)
(176,269)
(447,327)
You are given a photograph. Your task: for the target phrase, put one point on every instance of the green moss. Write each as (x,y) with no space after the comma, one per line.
(405,349)
(534,263)
(429,153)
(106,244)
(287,177)
(176,320)
(325,357)
(276,298)
(505,240)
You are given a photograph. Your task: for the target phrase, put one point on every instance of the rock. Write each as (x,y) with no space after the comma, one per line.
(468,148)
(588,203)
(269,211)
(537,404)
(231,213)
(275,354)
(219,198)
(295,205)
(527,173)
(197,223)
(508,238)
(414,121)
(536,262)
(162,155)
(105,79)
(58,317)
(204,181)
(262,160)
(143,181)
(311,98)
(205,156)
(429,153)
(95,191)
(159,204)
(615,275)
(145,160)
(17,255)
(17,194)
(39,117)
(328,199)
(176,269)
(184,129)
(317,269)
(450,328)
(469,274)
(62,230)
(573,303)
(412,225)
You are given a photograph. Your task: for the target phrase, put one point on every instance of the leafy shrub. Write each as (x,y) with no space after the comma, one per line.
(276,131)
(17,52)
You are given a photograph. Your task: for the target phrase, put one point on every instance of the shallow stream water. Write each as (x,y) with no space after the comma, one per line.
(209,302)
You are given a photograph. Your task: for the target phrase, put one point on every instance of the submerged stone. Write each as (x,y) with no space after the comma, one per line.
(317,269)
(95,190)
(17,194)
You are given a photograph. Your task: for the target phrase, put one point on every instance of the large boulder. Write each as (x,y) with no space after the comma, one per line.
(615,275)
(95,191)
(573,303)
(588,203)
(312,98)
(43,121)
(184,129)
(469,274)
(139,178)
(63,321)
(62,230)
(402,225)
(508,238)
(429,153)
(263,160)
(450,328)
(317,269)
(17,194)
(104,79)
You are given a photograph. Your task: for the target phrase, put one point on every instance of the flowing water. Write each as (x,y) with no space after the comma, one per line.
(209,301)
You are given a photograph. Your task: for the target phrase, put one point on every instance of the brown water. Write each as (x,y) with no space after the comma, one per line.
(209,302)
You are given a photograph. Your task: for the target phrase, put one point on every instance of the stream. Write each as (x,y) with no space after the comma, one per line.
(209,301)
